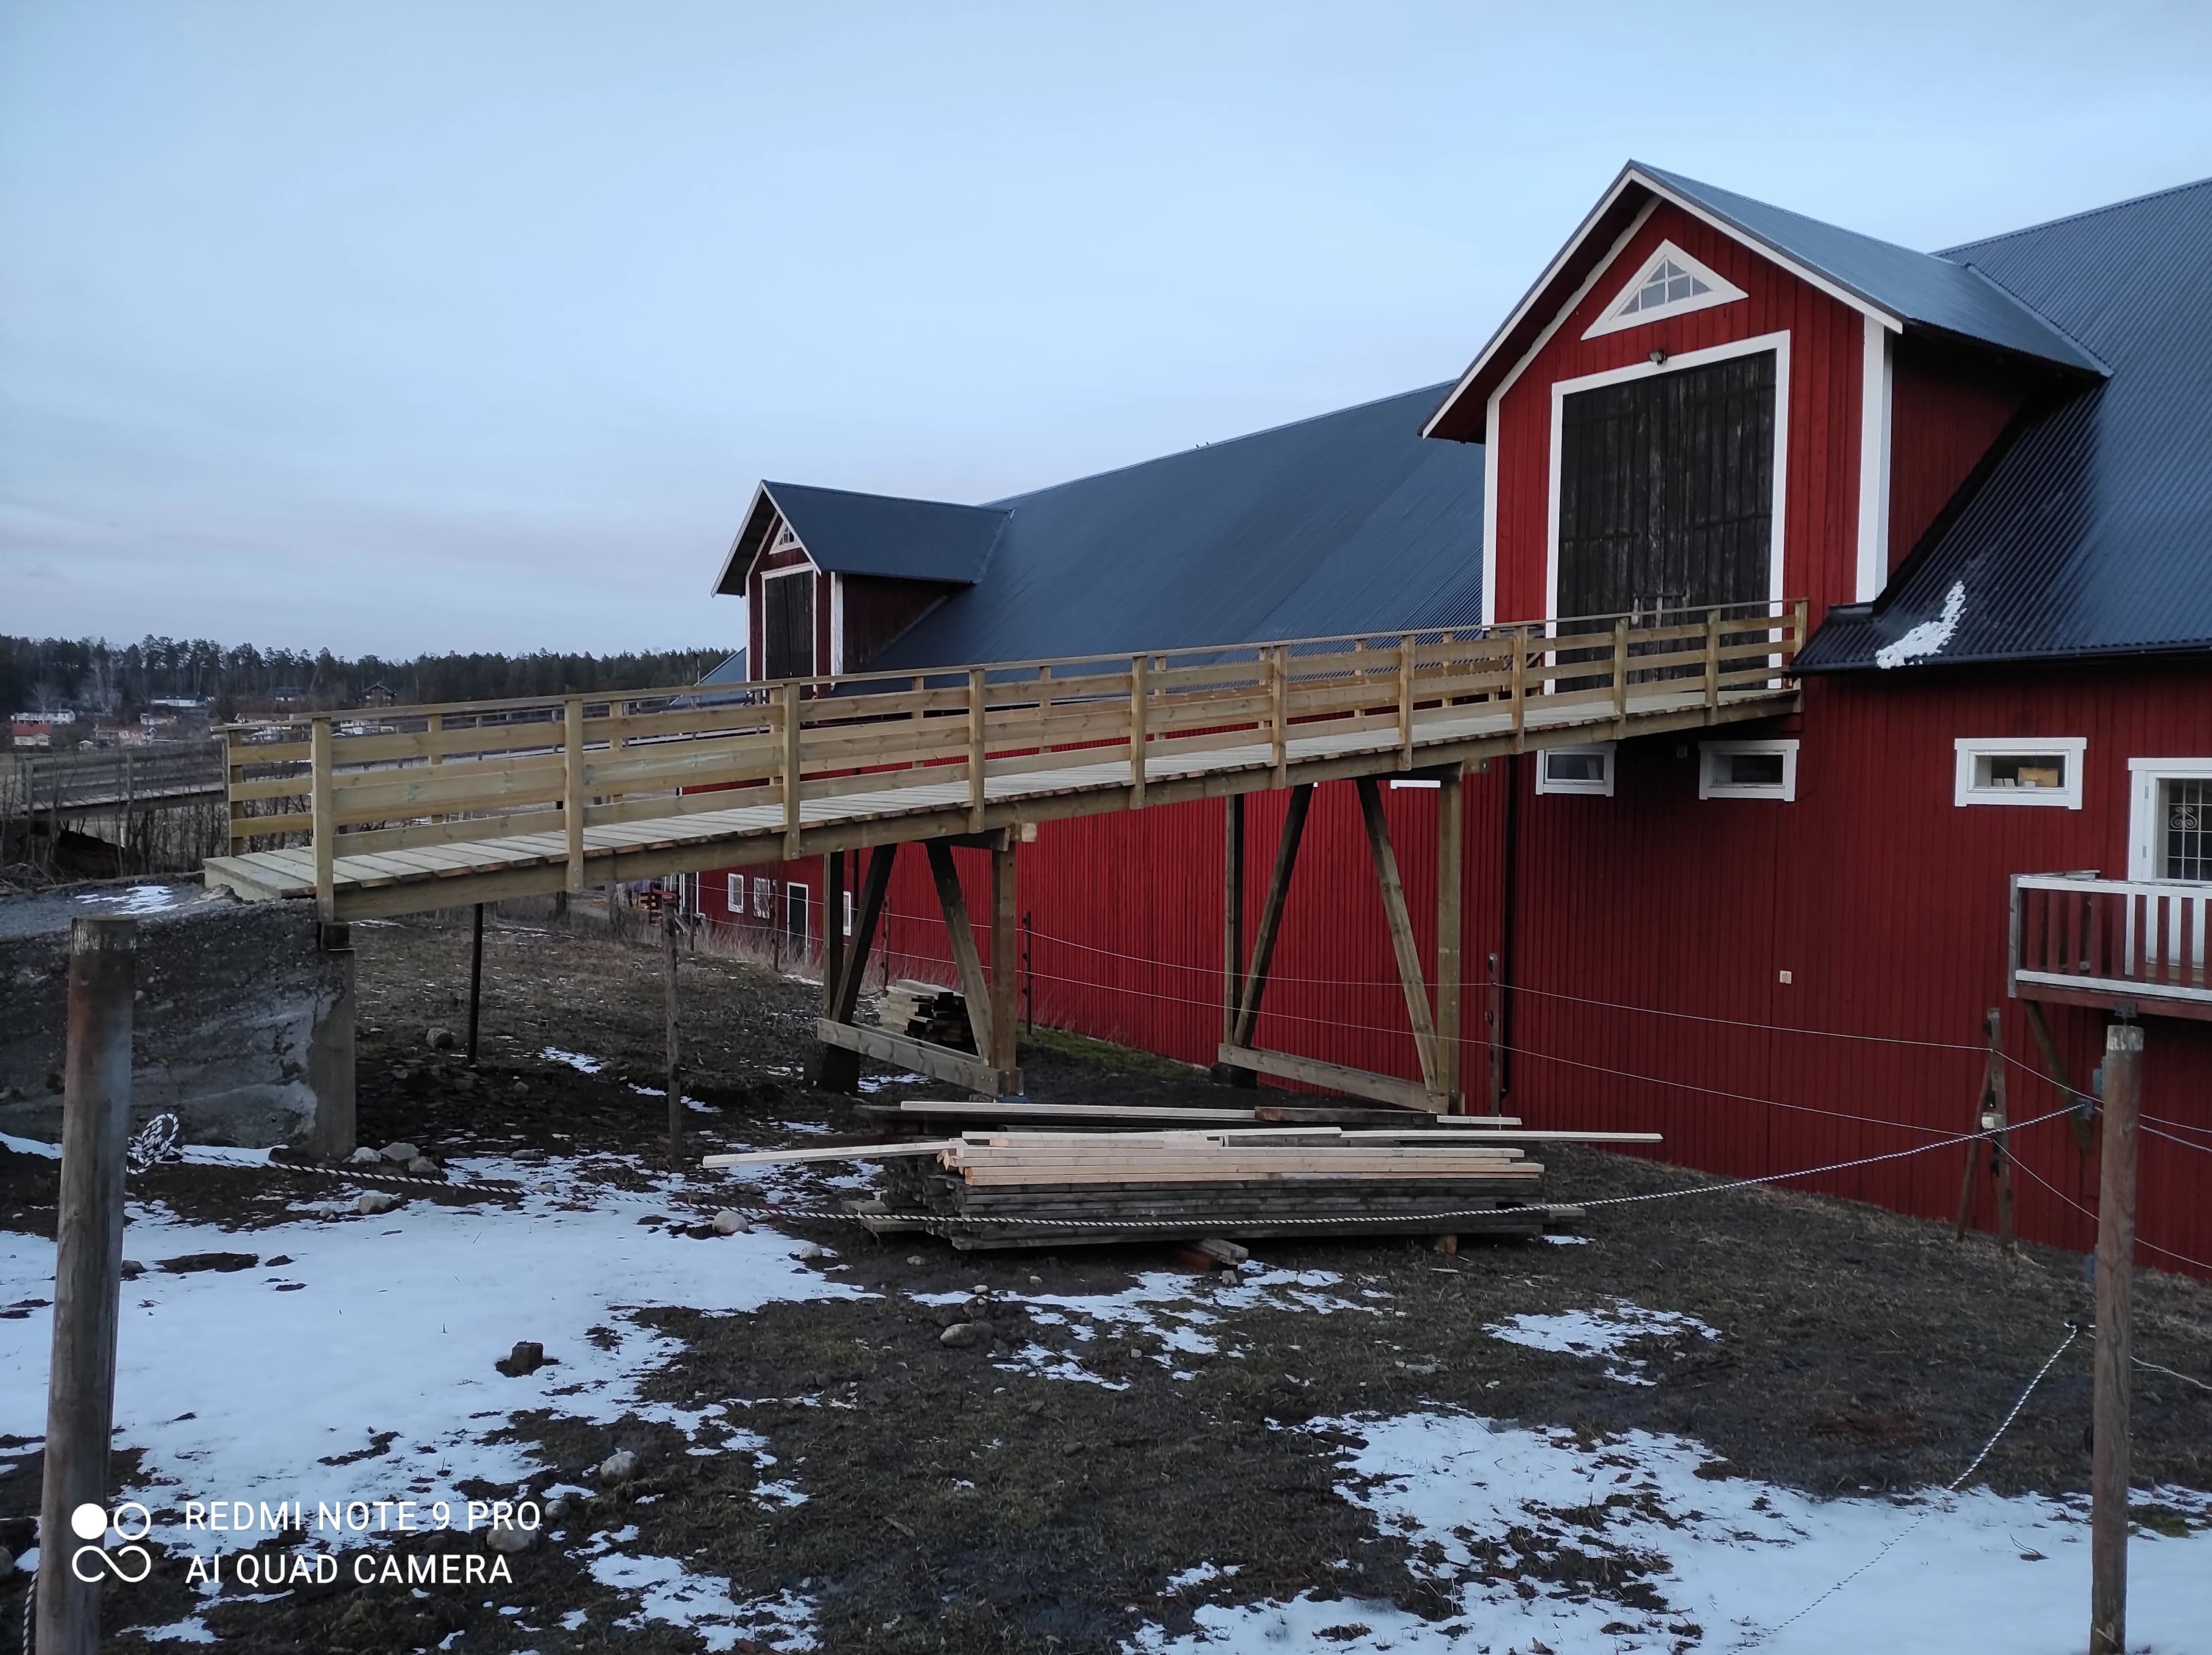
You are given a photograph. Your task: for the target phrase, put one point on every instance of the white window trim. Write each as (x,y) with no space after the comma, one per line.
(2143,775)
(1719,290)
(764,898)
(1968,748)
(1777,546)
(1708,788)
(733,897)
(1602,789)
(805,896)
(1877,374)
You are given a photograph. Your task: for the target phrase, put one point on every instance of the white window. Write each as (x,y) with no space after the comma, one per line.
(2170,819)
(1670,283)
(734,899)
(1747,769)
(1575,769)
(2028,769)
(764,898)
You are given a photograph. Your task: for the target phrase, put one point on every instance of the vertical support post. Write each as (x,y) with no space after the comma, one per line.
(668,927)
(1799,614)
(960,939)
(1406,702)
(129,801)
(1005,966)
(572,789)
(1139,688)
(1232,914)
(614,887)
(1271,916)
(1520,636)
(231,778)
(1620,667)
(434,727)
(1993,1105)
(1400,924)
(837,1069)
(1279,720)
(476,981)
(88,1277)
(920,717)
(2116,1269)
(1028,974)
(324,822)
(1451,859)
(789,769)
(833,930)
(1494,1024)
(2040,1028)
(977,706)
(1713,659)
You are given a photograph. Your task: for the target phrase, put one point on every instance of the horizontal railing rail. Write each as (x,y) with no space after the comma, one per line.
(385,781)
(2113,942)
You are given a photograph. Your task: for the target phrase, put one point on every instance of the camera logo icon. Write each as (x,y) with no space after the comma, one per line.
(92,1562)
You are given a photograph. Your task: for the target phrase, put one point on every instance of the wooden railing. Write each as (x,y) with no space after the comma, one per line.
(474,770)
(2120,944)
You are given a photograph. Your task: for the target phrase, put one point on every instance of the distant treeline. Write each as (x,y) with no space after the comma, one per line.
(92,675)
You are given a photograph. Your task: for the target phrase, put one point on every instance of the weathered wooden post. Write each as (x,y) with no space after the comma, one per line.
(669,922)
(88,1272)
(475,982)
(2115,1274)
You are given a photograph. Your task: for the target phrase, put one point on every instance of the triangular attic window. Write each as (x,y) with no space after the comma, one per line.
(1671,282)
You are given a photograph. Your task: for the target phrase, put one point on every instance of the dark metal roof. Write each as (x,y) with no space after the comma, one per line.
(2092,533)
(1943,292)
(732,671)
(1347,522)
(880,534)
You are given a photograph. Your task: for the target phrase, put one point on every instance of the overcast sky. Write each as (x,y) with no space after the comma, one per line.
(398,327)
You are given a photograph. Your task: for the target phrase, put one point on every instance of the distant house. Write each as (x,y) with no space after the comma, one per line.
(376,695)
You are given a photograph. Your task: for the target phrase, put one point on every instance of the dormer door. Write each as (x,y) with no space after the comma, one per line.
(1666,493)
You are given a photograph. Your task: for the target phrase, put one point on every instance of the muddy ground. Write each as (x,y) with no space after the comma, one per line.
(954,1506)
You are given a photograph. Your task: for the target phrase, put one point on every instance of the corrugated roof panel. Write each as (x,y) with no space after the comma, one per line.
(2093,534)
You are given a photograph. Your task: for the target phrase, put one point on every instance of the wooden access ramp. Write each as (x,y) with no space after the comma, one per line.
(414,808)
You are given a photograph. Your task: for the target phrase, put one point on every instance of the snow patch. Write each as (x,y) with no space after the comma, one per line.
(1489,1510)
(1605,1332)
(575,1060)
(1929,636)
(670,1593)
(139,899)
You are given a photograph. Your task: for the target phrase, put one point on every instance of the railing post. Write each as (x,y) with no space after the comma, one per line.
(1520,636)
(976,707)
(1798,613)
(1620,667)
(572,786)
(789,770)
(1406,702)
(1713,659)
(1139,688)
(232,741)
(1278,722)
(323,821)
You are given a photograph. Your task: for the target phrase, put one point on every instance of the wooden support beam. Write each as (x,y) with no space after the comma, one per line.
(1400,923)
(1137,739)
(1333,1077)
(833,929)
(1279,723)
(1271,916)
(324,821)
(1451,816)
(2110,1401)
(789,767)
(1406,702)
(2079,1119)
(1005,960)
(960,938)
(978,706)
(1232,913)
(958,1068)
(572,786)
(670,925)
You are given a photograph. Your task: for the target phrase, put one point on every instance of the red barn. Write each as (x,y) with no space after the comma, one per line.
(1985,472)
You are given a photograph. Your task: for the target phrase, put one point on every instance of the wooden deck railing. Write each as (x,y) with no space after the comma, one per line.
(2119,944)
(478,770)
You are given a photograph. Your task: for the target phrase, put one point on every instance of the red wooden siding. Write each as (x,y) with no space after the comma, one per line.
(1947,408)
(1653,927)
(1825,339)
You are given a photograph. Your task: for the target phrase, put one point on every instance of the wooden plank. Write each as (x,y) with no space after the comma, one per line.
(922,1057)
(960,939)
(1356,1083)
(1400,922)
(836,1153)
(1271,916)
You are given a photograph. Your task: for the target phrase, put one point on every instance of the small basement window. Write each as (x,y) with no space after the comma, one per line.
(1747,769)
(734,899)
(764,898)
(2170,819)
(1575,769)
(2019,771)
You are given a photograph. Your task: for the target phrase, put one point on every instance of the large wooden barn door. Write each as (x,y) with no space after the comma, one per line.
(1667,491)
(787,625)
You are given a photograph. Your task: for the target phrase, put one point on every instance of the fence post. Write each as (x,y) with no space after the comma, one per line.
(572,791)
(1713,659)
(1140,687)
(978,705)
(88,1276)
(669,924)
(1278,722)
(323,825)
(2116,1270)
(789,770)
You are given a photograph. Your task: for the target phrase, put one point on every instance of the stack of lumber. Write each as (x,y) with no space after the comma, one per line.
(921,1011)
(1002,1111)
(1026,1189)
